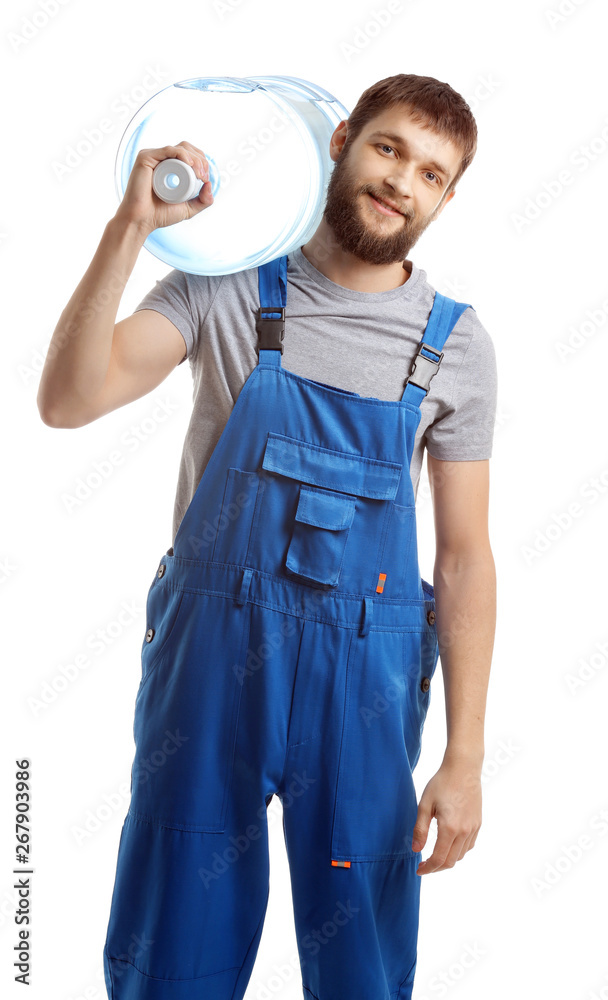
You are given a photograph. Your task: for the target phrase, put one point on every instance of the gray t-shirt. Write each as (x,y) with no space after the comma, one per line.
(361,341)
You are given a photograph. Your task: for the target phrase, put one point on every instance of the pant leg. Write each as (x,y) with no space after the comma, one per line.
(356,922)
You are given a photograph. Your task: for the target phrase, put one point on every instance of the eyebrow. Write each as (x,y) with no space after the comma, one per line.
(398,140)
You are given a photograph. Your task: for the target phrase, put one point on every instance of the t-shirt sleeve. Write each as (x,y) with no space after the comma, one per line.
(464,430)
(185,300)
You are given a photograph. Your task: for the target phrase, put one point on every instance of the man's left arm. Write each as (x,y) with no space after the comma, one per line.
(464,579)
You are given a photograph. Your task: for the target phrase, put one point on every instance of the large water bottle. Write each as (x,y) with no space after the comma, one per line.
(266,139)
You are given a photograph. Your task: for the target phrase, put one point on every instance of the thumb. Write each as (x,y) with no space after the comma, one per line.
(423,822)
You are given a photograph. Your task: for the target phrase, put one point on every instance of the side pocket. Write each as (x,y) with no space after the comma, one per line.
(162,612)
(420,653)
(322,523)
(375,800)
(186,720)
(233,529)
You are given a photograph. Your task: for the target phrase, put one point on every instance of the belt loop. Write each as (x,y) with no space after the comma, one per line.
(243,594)
(368,614)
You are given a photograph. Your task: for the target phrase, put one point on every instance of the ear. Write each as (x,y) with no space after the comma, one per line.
(338,139)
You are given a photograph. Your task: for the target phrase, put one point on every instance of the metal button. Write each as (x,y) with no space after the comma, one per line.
(161,570)
(425,683)
(149,635)
(431,617)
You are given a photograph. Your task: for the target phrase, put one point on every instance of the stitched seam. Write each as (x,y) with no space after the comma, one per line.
(168,825)
(255,934)
(111,974)
(158,978)
(461,360)
(405,978)
(405,602)
(293,694)
(393,467)
(368,400)
(198,342)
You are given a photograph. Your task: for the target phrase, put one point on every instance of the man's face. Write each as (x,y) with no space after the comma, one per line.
(374,164)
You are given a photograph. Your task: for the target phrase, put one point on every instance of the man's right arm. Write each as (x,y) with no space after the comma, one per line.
(94,364)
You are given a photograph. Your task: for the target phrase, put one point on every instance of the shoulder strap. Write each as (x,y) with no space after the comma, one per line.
(442,320)
(270,318)
(270,326)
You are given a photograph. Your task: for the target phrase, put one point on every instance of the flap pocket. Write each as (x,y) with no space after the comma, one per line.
(321,528)
(333,511)
(333,470)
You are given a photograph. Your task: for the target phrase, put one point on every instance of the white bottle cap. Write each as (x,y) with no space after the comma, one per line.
(174,181)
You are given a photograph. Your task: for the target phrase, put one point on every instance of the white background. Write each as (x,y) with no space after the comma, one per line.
(537,86)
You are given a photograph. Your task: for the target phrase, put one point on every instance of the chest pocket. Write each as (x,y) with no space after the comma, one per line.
(321,498)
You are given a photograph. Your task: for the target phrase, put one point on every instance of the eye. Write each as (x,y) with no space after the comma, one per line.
(432,175)
(383,145)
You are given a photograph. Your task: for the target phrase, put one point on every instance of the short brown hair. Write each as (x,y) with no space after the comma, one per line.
(431,104)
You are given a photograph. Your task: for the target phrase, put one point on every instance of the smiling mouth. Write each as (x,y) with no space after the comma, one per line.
(390,209)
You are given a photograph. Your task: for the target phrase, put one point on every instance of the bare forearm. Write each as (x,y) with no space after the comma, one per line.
(465,604)
(77,360)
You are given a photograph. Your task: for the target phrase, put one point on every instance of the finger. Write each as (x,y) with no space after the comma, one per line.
(200,158)
(436,860)
(455,853)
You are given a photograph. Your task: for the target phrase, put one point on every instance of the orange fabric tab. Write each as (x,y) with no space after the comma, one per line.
(381,580)
(341,864)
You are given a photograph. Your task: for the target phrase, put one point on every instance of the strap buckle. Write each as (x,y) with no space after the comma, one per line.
(271,329)
(424,368)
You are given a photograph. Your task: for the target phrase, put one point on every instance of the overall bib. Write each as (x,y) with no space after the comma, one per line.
(289,651)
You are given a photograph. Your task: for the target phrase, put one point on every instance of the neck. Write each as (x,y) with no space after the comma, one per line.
(349,271)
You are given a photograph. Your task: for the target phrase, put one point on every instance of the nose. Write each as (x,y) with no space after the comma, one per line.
(401,181)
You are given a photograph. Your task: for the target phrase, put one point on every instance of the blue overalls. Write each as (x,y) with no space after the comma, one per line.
(289,651)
